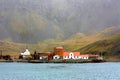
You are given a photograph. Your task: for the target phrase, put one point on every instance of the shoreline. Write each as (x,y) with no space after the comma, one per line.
(58,61)
(54,62)
(38,61)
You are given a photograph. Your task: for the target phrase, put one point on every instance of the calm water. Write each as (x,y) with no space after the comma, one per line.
(88,71)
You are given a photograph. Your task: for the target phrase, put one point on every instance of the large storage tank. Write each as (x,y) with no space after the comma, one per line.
(59,51)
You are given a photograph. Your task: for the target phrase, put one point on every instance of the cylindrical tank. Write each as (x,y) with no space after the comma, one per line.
(59,51)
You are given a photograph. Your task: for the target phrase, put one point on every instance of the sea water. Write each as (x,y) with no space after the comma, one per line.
(54,71)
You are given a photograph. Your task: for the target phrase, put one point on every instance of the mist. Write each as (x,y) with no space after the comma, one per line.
(32,21)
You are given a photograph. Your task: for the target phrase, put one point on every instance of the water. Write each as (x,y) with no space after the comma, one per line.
(51,71)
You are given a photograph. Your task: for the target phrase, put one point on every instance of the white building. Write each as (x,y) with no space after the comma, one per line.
(71,55)
(26,53)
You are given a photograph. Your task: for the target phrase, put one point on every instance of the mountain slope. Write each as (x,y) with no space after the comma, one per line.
(32,21)
(102,41)
(105,41)
(108,45)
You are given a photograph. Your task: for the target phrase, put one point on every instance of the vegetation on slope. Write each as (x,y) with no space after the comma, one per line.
(106,42)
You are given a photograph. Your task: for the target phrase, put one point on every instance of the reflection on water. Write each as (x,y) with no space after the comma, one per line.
(56,66)
(88,71)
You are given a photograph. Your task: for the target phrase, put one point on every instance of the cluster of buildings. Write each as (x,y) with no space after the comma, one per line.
(58,54)
(5,57)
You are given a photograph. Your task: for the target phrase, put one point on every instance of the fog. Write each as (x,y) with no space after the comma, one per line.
(31,21)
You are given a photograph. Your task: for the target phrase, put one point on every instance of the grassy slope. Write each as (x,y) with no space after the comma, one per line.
(10,47)
(104,41)
(104,45)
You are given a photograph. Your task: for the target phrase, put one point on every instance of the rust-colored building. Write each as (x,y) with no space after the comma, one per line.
(59,51)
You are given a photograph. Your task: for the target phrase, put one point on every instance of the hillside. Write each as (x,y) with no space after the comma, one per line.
(12,48)
(105,42)
(105,45)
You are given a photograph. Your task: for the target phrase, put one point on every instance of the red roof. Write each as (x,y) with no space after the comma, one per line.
(75,53)
(66,53)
